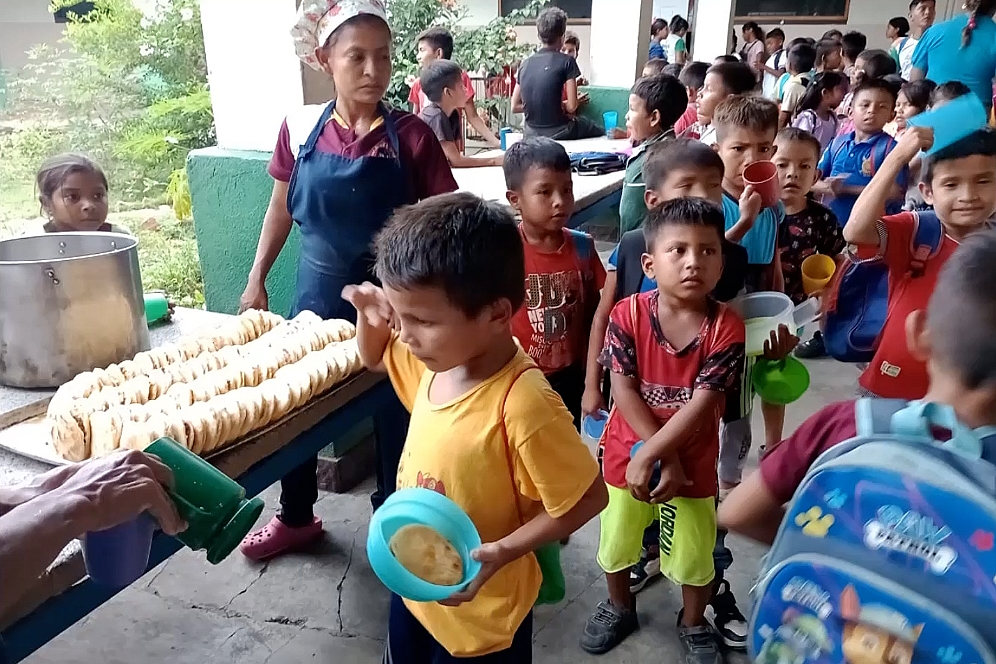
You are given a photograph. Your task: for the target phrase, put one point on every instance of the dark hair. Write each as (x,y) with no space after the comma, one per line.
(439,75)
(748,111)
(683,212)
(54,171)
(852,44)
(673,69)
(961,315)
(825,80)
(664,94)
(658,25)
(949,91)
(790,134)
(918,93)
(693,75)
(681,153)
(802,40)
(915,3)
(975,9)
(678,24)
(878,64)
(824,48)
(572,39)
(656,64)
(438,38)
(775,33)
(981,142)
(901,25)
(725,59)
(533,152)
(834,34)
(868,84)
(801,59)
(551,25)
(737,77)
(469,247)
(753,28)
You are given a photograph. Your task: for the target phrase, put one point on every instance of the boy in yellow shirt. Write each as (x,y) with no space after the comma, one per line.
(487,430)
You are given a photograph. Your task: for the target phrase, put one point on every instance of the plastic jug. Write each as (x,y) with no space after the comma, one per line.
(156,307)
(763,312)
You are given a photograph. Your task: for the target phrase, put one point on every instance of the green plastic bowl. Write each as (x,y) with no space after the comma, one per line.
(780,382)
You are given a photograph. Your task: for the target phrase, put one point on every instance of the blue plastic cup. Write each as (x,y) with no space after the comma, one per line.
(611,120)
(119,556)
(592,427)
(503,136)
(952,121)
(655,477)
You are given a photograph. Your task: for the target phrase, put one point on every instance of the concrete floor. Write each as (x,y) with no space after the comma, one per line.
(326,605)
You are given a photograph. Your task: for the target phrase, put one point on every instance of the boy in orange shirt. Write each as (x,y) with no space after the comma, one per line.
(564,273)
(959,181)
(486,429)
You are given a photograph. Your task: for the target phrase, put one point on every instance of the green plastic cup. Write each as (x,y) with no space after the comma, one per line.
(780,382)
(215,507)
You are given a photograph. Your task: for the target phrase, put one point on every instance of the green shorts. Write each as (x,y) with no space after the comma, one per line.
(687,536)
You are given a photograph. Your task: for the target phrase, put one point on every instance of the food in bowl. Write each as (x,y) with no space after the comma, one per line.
(428,555)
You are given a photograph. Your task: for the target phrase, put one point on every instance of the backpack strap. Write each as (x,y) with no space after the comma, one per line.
(778,58)
(508,447)
(874,416)
(928,235)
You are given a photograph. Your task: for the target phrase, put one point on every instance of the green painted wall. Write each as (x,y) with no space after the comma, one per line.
(230,191)
(602,99)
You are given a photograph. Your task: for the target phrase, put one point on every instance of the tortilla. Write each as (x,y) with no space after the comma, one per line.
(428,555)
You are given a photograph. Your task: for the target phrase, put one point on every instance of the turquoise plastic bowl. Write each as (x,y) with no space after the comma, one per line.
(422,506)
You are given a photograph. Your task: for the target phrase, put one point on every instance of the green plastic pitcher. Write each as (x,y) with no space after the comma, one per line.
(215,507)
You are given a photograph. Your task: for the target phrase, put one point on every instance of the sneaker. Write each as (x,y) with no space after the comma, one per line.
(722,612)
(812,348)
(699,643)
(641,573)
(607,627)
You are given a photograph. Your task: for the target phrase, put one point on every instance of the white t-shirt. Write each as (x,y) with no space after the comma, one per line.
(669,44)
(769,84)
(905,50)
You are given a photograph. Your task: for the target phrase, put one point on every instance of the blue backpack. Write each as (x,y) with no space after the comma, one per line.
(856,303)
(886,553)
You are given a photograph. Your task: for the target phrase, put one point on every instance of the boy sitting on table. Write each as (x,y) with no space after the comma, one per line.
(542,79)
(437,44)
(441,84)
(486,429)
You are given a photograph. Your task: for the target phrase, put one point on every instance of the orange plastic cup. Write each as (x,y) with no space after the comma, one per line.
(817,271)
(763,177)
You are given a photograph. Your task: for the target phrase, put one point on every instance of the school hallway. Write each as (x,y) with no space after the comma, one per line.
(327,606)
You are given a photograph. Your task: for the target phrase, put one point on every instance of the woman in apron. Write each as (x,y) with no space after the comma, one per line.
(340,170)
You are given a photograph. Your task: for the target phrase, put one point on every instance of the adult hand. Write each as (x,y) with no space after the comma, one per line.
(592,402)
(370,302)
(492,556)
(779,344)
(254,297)
(111,490)
(673,479)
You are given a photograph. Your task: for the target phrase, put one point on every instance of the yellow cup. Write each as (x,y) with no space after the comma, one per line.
(817,271)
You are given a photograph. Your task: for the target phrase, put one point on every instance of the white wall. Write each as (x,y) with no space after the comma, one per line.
(24,23)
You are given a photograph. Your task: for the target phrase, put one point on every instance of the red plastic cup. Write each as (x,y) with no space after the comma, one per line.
(763,177)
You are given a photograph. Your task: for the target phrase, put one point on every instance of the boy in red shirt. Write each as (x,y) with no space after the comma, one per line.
(437,44)
(673,352)
(564,273)
(959,180)
(955,339)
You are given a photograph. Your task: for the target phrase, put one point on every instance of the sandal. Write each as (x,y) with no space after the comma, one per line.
(276,538)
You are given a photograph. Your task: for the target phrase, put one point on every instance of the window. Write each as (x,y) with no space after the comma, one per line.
(793,11)
(79,9)
(579,11)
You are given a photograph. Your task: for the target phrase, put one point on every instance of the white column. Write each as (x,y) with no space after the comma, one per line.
(620,40)
(712,28)
(254,75)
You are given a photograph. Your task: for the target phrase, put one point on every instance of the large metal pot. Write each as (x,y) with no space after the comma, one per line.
(69,302)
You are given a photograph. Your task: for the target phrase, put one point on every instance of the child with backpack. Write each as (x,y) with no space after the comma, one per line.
(885,551)
(959,181)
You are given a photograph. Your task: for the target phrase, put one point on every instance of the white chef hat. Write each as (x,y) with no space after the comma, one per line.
(318,19)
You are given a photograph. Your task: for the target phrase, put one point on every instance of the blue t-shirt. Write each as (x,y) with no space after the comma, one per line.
(656,50)
(940,55)
(859,162)
(759,241)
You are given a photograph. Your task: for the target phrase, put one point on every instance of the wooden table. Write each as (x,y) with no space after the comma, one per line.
(594,195)
(64,594)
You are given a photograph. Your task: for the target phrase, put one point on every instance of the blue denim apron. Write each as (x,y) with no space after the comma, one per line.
(339,205)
